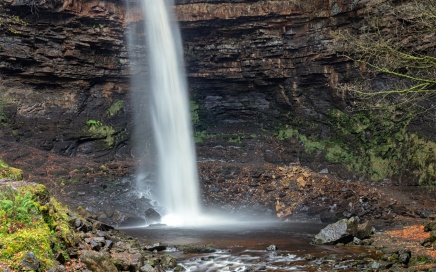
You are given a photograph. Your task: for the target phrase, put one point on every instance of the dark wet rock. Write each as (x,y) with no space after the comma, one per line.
(127,220)
(30,262)
(97,225)
(152,216)
(60,258)
(342,231)
(328,217)
(156,247)
(196,249)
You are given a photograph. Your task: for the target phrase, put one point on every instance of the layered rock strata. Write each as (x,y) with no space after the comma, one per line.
(64,64)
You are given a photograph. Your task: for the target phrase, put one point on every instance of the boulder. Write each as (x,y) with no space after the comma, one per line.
(342,231)
(126,261)
(364,230)
(98,261)
(30,262)
(152,216)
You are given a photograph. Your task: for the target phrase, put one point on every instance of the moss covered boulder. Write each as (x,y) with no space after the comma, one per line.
(31,224)
(8,172)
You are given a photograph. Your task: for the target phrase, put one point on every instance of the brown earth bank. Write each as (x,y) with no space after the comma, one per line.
(247,187)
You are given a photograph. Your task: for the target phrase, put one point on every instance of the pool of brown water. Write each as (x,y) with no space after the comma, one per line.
(247,246)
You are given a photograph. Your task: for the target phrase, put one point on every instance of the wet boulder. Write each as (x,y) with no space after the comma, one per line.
(152,216)
(342,231)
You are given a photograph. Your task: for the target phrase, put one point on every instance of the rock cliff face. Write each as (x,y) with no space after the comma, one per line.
(64,65)
(252,62)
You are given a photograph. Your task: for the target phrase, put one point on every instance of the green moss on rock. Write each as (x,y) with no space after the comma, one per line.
(44,230)
(7,171)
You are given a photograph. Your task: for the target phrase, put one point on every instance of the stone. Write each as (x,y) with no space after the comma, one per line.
(357,241)
(271,248)
(364,230)
(30,262)
(127,261)
(404,255)
(342,231)
(98,261)
(328,217)
(152,216)
(168,262)
(147,268)
(324,171)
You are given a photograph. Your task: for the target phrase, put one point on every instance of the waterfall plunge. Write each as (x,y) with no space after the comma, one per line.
(168,112)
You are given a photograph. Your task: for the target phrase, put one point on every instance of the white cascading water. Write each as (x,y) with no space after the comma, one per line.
(170,115)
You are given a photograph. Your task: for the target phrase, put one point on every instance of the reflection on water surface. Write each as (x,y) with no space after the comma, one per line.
(243,247)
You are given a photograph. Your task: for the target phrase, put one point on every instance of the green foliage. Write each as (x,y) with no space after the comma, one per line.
(194,107)
(235,139)
(200,136)
(93,123)
(337,153)
(310,145)
(10,172)
(31,221)
(17,208)
(287,133)
(35,239)
(115,108)
(382,146)
(374,143)
(420,260)
(97,130)
(397,85)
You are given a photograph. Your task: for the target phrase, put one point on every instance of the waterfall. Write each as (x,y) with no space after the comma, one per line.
(164,94)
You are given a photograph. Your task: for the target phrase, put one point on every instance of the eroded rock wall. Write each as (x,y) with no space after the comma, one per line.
(63,63)
(252,62)
(249,64)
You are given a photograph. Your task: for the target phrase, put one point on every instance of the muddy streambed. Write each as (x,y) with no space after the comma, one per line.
(253,246)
